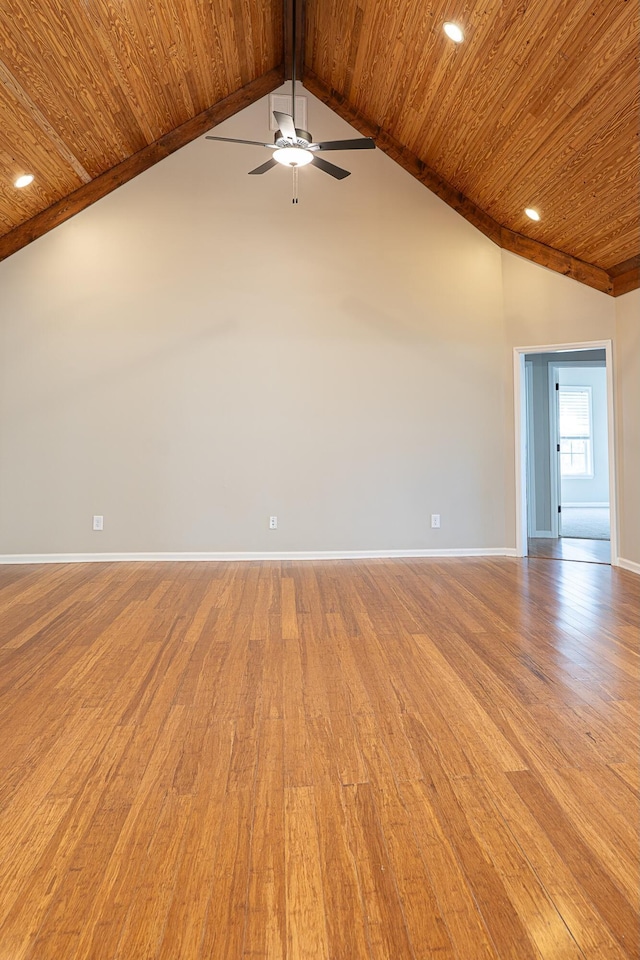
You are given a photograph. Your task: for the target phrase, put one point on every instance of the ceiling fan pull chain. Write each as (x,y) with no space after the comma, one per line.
(295,185)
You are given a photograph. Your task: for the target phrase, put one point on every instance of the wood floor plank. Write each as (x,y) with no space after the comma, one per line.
(604,824)
(463,921)
(629,773)
(340,706)
(583,861)
(344,904)
(339,760)
(112,841)
(146,920)
(577,909)
(196,877)
(223,935)
(481,871)
(422,916)
(370,656)
(224,929)
(541,919)
(471,723)
(289,614)
(386,926)
(265,933)
(297,748)
(306,925)
(32,819)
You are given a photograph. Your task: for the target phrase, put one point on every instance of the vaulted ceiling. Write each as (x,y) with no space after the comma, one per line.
(537,107)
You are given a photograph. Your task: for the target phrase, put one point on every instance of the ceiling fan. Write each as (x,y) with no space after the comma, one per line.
(295,148)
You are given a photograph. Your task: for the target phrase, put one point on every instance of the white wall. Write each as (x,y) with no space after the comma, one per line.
(193,354)
(543,307)
(628,423)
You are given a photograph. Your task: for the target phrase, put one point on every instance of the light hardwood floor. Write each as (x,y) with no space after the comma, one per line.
(568,548)
(339,760)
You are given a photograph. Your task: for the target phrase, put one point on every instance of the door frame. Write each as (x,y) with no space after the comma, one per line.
(520,430)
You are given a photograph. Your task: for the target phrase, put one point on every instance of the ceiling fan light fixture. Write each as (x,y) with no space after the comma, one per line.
(532,214)
(23,181)
(293,156)
(454,32)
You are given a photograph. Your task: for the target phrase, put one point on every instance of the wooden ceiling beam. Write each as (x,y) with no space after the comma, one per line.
(87,194)
(557,260)
(625,276)
(294,13)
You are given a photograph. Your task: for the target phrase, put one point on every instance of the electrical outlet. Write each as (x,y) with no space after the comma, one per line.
(273,523)
(98,523)
(435,521)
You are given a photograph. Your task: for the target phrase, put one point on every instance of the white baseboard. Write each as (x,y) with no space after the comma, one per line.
(231,557)
(578,503)
(542,535)
(630,565)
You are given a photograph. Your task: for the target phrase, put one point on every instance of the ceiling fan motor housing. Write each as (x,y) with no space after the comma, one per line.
(303,139)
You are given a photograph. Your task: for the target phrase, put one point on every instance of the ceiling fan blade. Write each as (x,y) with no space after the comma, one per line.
(285,123)
(254,143)
(361,143)
(265,166)
(330,168)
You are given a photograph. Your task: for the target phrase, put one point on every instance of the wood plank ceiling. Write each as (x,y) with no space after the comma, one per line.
(92,91)
(539,106)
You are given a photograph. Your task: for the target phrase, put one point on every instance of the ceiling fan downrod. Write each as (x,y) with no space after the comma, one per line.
(295,148)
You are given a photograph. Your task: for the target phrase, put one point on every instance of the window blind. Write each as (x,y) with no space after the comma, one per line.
(575,411)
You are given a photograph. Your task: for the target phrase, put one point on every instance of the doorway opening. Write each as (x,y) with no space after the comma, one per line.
(564,452)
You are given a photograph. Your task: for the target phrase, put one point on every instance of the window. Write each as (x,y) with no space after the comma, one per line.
(576,430)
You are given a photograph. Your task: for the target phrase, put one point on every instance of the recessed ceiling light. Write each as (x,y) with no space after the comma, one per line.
(454,32)
(532,214)
(24,181)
